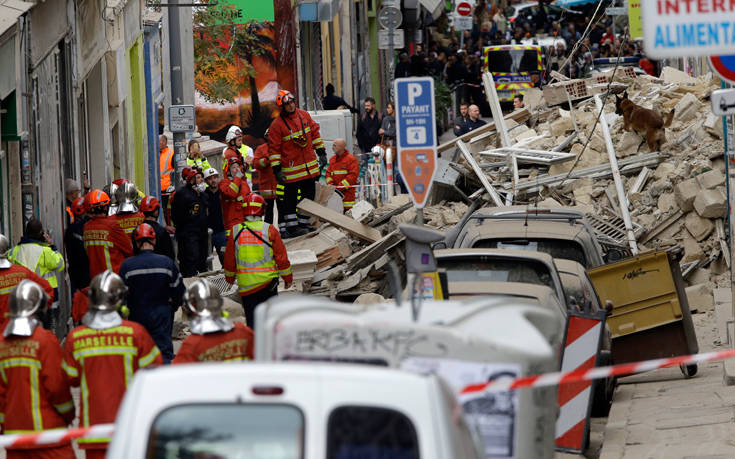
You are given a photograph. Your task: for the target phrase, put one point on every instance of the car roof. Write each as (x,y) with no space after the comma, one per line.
(498,253)
(532,211)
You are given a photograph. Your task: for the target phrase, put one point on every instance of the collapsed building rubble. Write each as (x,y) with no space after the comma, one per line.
(558,157)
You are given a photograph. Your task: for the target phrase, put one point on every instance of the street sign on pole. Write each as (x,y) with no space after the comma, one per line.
(463,16)
(724,66)
(181,118)
(616,11)
(723,102)
(384,38)
(687,28)
(390,17)
(416,135)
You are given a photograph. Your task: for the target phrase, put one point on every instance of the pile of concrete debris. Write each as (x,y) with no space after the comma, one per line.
(551,156)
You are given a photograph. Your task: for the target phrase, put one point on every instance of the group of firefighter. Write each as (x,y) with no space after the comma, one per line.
(127,285)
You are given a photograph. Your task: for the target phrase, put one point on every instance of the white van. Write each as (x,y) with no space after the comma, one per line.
(465,343)
(289,411)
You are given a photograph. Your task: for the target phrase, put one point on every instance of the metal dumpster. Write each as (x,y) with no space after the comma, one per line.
(650,317)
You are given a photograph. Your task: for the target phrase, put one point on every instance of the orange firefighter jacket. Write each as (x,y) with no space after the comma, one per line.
(107,244)
(266,179)
(103,362)
(233,345)
(292,141)
(9,278)
(342,172)
(34,392)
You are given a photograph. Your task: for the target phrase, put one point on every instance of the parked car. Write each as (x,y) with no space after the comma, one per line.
(289,411)
(562,232)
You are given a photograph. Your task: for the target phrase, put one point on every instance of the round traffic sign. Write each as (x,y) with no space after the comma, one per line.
(464,9)
(390,17)
(724,66)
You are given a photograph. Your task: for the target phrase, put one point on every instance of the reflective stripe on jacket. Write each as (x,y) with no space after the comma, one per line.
(39,258)
(293,147)
(251,261)
(167,170)
(35,392)
(342,172)
(102,364)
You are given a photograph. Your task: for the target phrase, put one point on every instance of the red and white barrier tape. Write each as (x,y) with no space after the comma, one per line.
(623,369)
(48,437)
(502,384)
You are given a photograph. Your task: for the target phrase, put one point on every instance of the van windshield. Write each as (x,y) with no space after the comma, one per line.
(370,432)
(513,61)
(253,431)
(557,248)
(480,268)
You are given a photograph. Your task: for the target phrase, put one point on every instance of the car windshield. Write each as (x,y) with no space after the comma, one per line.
(493,269)
(251,431)
(513,61)
(557,248)
(370,432)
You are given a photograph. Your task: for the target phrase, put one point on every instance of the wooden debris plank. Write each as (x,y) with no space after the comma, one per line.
(359,230)
(668,221)
(374,251)
(480,174)
(384,218)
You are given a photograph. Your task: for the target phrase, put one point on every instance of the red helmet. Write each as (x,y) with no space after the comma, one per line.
(97,198)
(144,231)
(284,97)
(188,173)
(254,204)
(120,181)
(78,207)
(149,204)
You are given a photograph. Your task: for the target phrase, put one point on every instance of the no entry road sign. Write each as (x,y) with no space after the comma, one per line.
(724,66)
(416,135)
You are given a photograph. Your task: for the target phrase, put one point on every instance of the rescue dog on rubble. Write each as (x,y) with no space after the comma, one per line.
(644,121)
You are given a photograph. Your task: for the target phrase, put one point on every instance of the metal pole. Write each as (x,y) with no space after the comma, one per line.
(622,198)
(391,31)
(177,83)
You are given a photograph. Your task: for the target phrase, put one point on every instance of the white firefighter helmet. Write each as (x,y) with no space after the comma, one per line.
(205,302)
(210,172)
(25,300)
(106,294)
(126,196)
(4,250)
(233,133)
(113,199)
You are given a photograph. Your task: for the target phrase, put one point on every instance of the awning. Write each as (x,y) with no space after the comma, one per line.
(10,11)
(569,3)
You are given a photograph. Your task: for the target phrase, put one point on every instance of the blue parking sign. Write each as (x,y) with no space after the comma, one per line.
(415,125)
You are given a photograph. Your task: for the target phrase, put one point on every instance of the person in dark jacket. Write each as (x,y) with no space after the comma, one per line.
(155,290)
(333,102)
(189,215)
(387,129)
(474,121)
(368,126)
(151,209)
(215,219)
(76,255)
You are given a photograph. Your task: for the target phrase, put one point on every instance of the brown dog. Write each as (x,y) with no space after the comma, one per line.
(645,122)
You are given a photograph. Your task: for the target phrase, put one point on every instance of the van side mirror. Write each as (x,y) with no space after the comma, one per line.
(609,307)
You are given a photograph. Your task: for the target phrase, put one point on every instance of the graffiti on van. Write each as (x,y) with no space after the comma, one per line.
(398,343)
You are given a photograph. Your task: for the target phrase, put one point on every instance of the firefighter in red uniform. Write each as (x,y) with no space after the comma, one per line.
(34,392)
(11,275)
(213,337)
(342,172)
(106,243)
(255,256)
(128,215)
(102,355)
(233,190)
(294,143)
(266,182)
